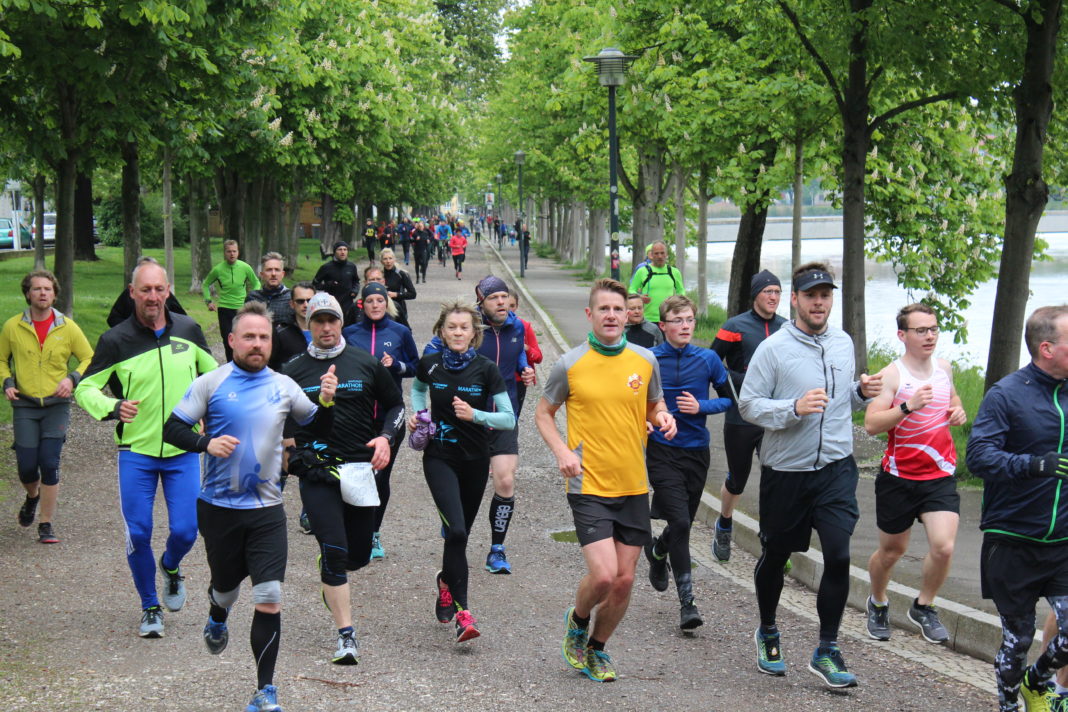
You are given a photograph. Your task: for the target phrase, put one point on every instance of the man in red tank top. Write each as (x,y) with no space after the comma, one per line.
(916,408)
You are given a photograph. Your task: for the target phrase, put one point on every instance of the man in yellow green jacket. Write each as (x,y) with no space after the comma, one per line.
(35,349)
(236,278)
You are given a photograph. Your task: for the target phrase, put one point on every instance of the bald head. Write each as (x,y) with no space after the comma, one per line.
(149,289)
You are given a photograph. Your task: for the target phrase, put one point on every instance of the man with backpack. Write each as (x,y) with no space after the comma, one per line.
(656,281)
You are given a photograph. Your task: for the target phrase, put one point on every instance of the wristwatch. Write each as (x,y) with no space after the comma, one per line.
(904,407)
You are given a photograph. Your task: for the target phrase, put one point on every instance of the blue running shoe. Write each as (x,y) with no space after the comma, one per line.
(377,552)
(265,700)
(827,664)
(497,562)
(769,654)
(216,636)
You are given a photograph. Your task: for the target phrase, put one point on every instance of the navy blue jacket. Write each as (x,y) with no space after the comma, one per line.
(378,337)
(736,342)
(689,369)
(1021,416)
(504,346)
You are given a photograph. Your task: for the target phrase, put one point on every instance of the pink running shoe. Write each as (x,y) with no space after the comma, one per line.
(444,609)
(465,626)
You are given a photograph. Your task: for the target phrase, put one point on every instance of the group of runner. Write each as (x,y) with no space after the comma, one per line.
(329,411)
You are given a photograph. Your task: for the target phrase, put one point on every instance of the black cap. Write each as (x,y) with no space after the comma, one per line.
(813,278)
(339,243)
(373,288)
(760,281)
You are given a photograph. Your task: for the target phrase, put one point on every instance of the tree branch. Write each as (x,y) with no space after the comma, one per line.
(811,49)
(1011,6)
(878,122)
(625,180)
(874,78)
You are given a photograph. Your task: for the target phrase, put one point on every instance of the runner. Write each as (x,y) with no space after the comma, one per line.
(639,331)
(800,389)
(422,244)
(532,350)
(244,405)
(370,239)
(234,277)
(458,246)
(399,285)
(292,337)
(442,233)
(391,343)
(466,396)
(612,390)
(916,408)
(1017,447)
(656,281)
(678,469)
(404,233)
(339,277)
(274,293)
(148,361)
(735,343)
(343,524)
(35,348)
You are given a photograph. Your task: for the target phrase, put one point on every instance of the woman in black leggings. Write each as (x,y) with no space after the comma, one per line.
(466,396)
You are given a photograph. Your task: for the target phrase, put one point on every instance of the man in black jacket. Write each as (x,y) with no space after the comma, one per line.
(273,293)
(339,277)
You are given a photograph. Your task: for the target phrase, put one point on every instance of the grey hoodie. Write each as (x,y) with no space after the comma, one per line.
(785,366)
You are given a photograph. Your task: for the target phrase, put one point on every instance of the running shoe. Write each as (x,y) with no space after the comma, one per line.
(1038,695)
(497,562)
(1058,703)
(348,650)
(659,569)
(721,543)
(465,627)
(265,700)
(878,621)
(926,619)
(45,534)
(769,654)
(173,587)
(575,641)
(216,636)
(377,552)
(444,608)
(28,510)
(827,664)
(598,666)
(151,623)
(305,523)
(689,616)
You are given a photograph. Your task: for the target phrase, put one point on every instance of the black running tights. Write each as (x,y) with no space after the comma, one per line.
(1017,632)
(834,585)
(457,488)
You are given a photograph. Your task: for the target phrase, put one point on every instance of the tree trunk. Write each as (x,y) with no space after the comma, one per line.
(40,183)
(329,234)
(703,197)
(679,181)
(1026,193)
(83,219)
(252,246)
(598,233)
(655,180)
(168,216)
(199,243)
(131,208)
(232,191)
(746,261)
(63,258)
(799,187)
(582,245)
(552,225)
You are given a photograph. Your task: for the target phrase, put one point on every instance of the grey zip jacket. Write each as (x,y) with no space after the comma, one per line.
(787,365)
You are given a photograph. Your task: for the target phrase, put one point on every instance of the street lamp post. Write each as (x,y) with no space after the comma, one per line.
(611,73)
(520,157)
(500,211)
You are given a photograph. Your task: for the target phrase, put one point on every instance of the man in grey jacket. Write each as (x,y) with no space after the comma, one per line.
(800,389)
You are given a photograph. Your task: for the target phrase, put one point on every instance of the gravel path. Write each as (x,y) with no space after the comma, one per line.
(69,613)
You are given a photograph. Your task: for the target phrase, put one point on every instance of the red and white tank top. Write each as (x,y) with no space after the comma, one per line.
(920,446)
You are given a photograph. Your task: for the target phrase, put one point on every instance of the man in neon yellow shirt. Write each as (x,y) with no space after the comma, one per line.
(235,279)
(656,281)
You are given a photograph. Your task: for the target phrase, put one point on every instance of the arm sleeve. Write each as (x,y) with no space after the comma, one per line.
(656,391)
(534,355)
(408,289)
(5,356)
(390,399)
(502,418)
(556,388)
(985,453)
(205,288)
(717,376)
(635,284)
(90,391)
(252,279)
(755,402)
(419,399)
(179,433)
(407,356)
(82,351)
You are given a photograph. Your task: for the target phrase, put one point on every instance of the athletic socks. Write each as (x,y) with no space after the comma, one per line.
(264,635)
(347,630)
(580,622)
(725,523)
(500,516)
(596,644)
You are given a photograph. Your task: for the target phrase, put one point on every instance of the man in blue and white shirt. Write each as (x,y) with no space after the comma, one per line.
(244,406)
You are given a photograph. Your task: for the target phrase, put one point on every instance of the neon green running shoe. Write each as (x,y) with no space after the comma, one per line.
(1038,695)
(599,666)
(575,640)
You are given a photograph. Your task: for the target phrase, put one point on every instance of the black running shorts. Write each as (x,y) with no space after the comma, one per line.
(792,503)
(625,519)
(1015,574)
(504,442)
(243,543)
(899,502)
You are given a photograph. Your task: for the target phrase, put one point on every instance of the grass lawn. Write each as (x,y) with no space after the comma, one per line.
(97,284)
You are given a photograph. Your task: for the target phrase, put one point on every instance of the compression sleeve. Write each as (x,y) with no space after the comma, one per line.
(501,419)
(179,433)
(419,397)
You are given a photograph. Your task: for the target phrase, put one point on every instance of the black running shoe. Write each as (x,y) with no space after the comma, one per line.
(659,569)
(690,617)
(878,621)
(28,510)
(45,535)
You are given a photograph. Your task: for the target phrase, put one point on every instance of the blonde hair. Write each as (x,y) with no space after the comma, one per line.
(457,306)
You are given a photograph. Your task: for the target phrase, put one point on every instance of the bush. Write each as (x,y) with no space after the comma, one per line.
(109,222)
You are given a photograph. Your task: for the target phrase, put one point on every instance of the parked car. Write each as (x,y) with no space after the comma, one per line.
(49,228)
(7,235)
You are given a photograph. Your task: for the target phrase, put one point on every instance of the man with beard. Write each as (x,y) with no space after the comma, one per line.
(244,406)
(339,277)
(273,293)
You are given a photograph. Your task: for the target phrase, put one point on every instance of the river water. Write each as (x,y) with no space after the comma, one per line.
(883,296)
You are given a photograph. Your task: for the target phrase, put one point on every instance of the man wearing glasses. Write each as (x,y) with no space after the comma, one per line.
(291,337)
(916,408)
(735,343)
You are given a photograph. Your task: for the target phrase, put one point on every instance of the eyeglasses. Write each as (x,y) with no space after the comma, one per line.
(772,292)
(679,322)
(923,330)
(302,301)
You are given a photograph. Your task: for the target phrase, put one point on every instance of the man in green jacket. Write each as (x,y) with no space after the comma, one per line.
(235,279)
(656,281)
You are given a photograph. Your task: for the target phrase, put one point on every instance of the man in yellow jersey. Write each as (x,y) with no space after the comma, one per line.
(611,389)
